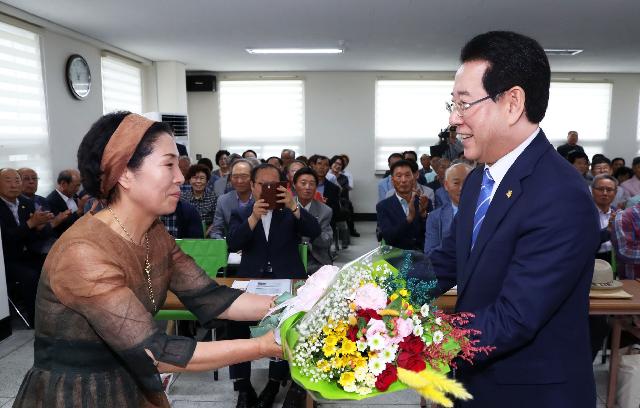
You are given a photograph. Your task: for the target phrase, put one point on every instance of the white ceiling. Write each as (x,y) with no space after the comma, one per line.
(396,35)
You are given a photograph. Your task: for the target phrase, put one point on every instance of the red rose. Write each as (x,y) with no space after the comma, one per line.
(411,361)
(387,377)
(412,344)
(352,333)
(368,314)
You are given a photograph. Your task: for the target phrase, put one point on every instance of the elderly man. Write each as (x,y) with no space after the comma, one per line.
(602,165)
(64,199)
(401,217)
(571,145)
(454,145)
(522,243)
(440,167)
(22,226)
(240,197)
(30,186)
(440,220)
(269,242)
(603,190)
(305,181)
(632,186)
(287,156)
(426,172)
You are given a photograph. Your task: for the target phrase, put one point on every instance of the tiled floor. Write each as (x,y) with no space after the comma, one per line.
(195,390)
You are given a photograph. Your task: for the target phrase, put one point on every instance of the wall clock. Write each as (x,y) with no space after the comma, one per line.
(78,76)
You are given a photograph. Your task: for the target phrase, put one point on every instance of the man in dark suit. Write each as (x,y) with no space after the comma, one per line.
(269,242)
(330,191)
(522,243)
(401,217)
(64,199)
(21,225)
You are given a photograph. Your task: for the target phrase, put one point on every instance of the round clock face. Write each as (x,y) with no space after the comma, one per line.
(78,76)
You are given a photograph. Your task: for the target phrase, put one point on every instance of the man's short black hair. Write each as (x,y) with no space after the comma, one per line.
(392,155)
(305,170)
(600,159)
(249,150)
(623,171)
(275,157)
(65,176)
(412,152)
(636,161)
(514,60)
(207,162)
(255,170)
(577,154)
(404,163)
(615,159)
(316,158)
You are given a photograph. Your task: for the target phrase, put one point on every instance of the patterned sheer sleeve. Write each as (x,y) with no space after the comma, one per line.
(197,291)
(90,281)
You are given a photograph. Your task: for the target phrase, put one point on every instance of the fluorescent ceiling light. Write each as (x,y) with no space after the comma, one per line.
(295,50)
(562,52)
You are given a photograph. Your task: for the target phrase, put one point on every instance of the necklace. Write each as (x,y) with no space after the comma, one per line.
(147,264)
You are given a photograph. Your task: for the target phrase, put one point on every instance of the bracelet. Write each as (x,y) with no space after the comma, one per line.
(295,209)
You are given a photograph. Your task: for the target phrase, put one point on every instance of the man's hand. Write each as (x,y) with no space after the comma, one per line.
(424,203)
(612,218)
(287,199)
(81,203)
(38,219)
(260,208)
(58,219)
(412,208)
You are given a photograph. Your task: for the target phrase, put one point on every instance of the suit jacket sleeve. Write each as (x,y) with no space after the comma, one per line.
(393,229)
(240,235)
(325,238)
(546,265)
(217,231)
(307,225)
(443,259)
(433,232)
(57,206)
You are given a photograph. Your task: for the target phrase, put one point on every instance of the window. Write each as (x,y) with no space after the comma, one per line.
(24,136)
(121,85)
(409,116)
(263,115)
(583,107)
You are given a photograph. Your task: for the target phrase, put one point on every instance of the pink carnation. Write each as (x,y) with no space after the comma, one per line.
(376,326)
(404,327)
(371,297)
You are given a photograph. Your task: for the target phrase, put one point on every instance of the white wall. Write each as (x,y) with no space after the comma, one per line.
(340,118)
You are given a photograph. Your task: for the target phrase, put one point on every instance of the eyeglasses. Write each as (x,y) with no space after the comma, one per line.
(605,189)
(460,107)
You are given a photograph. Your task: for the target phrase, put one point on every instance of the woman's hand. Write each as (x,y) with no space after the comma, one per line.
(268,346)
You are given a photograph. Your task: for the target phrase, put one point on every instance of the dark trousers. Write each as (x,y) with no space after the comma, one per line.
(22,284)
(278,369)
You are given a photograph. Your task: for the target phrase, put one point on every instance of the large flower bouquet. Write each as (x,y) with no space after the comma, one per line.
(368,328)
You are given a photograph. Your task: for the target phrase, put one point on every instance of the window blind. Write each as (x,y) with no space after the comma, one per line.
(121,85)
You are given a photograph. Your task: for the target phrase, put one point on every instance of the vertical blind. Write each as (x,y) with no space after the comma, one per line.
(263,115)
(409,115)
(583,107)
(121,85)
(24,136)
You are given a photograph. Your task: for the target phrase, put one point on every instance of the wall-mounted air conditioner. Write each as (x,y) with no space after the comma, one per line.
(179,122)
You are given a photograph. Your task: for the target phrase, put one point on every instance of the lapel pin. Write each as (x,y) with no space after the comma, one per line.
(509,193)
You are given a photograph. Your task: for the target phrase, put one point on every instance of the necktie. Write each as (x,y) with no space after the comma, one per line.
(484,199)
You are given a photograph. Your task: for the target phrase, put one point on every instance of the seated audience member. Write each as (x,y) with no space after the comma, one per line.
(571,145)
(623,174)
(305,181)
(424,190)
(349,176)
(30,179)
(624,237)
(454,145)
(184,222)
(441,196)
(21,225)
(632,186)
(345,161)
(617,163)
(198,196)
(223,184)
(410,155)
(64,200)
(275,162)
(440,219)
(249,153)
(303,159)
(338,178)
(240,197)
(291,171)
(222,160)
(603,190)
(184,162)
(426,172)
(330,192)
(580,161)
(602,165)
(401,217)
(269,242)
(286,157)
(386,184)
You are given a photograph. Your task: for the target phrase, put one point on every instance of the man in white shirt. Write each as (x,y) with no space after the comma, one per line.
(603,190)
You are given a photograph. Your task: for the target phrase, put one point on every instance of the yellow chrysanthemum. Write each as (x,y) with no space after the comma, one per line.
(327,330)
(403,292)
(347,378)
(329,350)
(352,320)
(331,340)
(360,362)
(393,297)
(348,347)
(323,365)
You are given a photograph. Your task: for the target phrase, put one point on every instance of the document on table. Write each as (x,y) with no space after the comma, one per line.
(238,284)
(269,287)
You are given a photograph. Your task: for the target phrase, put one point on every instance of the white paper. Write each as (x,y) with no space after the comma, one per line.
(234,258)
(238,284)
(270,287)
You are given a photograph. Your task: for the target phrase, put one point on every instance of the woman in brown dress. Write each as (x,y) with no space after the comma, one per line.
(96,343)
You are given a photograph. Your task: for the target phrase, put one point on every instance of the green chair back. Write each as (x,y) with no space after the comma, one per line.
(210,255)
(302,250)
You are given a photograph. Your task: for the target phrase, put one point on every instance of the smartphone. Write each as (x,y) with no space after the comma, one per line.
(270,194)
